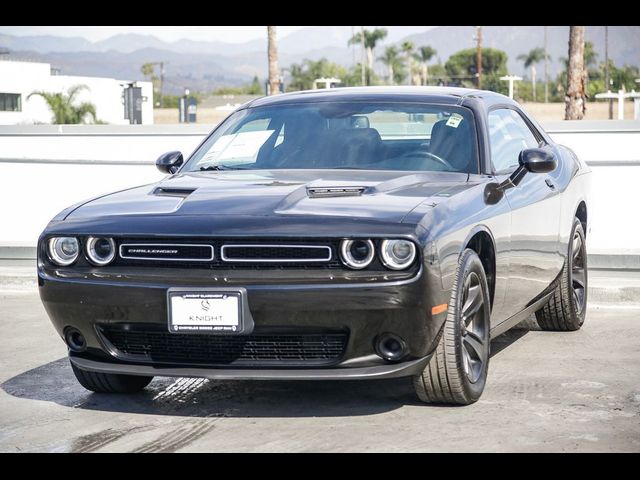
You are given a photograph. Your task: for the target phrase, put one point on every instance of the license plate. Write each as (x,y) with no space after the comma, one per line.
(205,311)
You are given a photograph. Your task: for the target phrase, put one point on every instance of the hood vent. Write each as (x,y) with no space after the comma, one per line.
(324,192)
(173,192)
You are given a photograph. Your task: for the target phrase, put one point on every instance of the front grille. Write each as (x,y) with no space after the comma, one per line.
(229,254)
(275,253)
(151,344)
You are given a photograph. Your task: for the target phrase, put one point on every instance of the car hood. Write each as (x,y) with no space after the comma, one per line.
(378,195)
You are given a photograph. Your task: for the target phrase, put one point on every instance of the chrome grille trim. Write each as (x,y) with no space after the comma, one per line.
(324,248)
(165,259)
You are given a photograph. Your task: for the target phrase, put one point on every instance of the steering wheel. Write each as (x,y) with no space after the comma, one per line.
(430,156)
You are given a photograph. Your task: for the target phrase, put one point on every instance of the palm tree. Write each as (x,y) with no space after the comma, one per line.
(407,49)
(575,98)
(391,59)
(63,108)
(530,60)
(274,76)
(371,39)
(424,55)
(590,55)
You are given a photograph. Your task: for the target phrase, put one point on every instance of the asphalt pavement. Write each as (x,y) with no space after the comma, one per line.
(553,392)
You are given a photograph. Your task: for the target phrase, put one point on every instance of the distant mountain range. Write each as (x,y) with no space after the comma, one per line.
(203,65)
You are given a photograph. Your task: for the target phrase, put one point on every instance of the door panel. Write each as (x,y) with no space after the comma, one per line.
(535,213)
(533,262)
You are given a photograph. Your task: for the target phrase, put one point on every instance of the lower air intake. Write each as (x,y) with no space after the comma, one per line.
(149,344)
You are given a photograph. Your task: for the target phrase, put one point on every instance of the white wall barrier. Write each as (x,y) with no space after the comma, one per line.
(44,169)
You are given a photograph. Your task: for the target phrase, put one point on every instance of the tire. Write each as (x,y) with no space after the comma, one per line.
(457,372)
(565,311)
(110,382)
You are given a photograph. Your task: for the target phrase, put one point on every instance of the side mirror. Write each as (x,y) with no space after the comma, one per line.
(534,160)
(538,160)
(169,162)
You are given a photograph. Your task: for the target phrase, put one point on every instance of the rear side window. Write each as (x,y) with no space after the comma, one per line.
(508,136)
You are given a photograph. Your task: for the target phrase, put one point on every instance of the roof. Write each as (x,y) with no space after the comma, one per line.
(442,95)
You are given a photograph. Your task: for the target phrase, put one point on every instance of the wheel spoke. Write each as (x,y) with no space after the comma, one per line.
(474,345)
(472,304)
(466,362)
(577,247)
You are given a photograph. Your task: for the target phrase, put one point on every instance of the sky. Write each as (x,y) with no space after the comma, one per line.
(229,34)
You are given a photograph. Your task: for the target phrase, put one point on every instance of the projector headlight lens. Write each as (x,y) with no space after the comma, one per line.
(397,254)
(357,254)
(63,251)
(101,251)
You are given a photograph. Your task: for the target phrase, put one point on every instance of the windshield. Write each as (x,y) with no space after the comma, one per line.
(343,135)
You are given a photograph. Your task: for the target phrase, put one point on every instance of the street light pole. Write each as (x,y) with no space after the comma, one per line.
(161,84)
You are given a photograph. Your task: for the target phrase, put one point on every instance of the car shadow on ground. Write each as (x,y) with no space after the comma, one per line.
(196,397)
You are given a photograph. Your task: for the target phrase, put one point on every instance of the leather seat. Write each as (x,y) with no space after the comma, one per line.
(454,144)
(353,147)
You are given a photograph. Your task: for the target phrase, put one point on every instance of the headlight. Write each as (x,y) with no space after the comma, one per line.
(63,251)
(357,254)
(100,251)
(397,254)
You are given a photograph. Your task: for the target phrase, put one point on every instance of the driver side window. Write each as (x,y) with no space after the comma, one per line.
(508,136)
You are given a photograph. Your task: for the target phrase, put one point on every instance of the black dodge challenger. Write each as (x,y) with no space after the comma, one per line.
(353,233)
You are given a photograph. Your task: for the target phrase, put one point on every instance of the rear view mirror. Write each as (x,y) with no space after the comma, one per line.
(169,162)
(359,121)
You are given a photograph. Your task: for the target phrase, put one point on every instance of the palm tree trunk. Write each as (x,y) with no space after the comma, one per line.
(390,74)
(409,69)
(274,75)
(533,82)
(425,73)
(575,100)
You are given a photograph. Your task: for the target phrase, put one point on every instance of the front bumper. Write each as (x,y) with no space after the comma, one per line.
(365,307)
(389,370)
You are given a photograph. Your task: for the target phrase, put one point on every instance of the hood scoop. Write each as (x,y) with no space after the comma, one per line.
(173,192)
(327,192)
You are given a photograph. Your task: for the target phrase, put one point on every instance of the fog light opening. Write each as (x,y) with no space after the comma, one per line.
(75,340)
(391,347)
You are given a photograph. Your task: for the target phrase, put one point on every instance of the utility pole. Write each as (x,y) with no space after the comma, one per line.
(546,73)
(272,55)
(479,56)
(364,53)
(606,69)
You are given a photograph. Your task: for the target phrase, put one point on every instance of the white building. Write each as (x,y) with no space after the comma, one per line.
(19,79)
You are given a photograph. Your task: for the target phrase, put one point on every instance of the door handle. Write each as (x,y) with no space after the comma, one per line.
(550,184)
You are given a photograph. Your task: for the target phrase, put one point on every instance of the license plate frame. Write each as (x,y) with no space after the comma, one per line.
(213,296)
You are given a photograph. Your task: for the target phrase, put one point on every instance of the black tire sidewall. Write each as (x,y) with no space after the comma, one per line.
(470,262)
(579,317)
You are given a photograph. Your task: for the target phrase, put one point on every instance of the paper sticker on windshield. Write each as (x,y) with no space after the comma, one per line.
(454,120)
